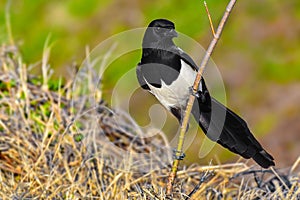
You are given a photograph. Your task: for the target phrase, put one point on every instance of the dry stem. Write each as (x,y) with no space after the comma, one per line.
(192,97)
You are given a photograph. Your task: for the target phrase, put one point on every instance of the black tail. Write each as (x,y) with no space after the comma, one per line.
(222,125)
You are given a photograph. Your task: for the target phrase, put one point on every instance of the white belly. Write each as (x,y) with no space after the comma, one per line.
(176,94)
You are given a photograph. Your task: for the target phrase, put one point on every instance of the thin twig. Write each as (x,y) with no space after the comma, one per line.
(207,175)
(296,164)
(279,178)
(45,63)
(192,97)
(209,18)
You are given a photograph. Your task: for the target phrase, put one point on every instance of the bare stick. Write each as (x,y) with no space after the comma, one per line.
(192,97)
(209,18)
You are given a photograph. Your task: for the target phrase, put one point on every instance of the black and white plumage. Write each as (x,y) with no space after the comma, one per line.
(168,73)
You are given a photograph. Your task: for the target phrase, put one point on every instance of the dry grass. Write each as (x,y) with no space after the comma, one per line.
(48,152)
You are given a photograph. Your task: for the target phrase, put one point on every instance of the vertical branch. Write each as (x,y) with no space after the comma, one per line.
(192,97)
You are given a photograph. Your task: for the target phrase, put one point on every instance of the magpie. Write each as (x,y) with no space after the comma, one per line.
(168,73)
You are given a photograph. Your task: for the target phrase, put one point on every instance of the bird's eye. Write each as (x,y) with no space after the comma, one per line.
(157,29)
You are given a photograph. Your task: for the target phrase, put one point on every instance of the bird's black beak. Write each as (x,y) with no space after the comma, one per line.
(172,33)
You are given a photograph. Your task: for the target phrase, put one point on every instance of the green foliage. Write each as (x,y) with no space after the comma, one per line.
(54,85)
(281,69)
(4,86)
(78,137)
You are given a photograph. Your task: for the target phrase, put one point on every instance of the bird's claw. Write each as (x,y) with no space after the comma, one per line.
(192,92)
(176,156)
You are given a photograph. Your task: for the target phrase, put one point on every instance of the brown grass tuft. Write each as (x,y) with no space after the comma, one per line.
(48,152)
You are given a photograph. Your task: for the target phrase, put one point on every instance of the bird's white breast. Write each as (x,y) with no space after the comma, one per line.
(177,93)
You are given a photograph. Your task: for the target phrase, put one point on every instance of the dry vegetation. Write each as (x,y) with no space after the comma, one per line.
(48,152)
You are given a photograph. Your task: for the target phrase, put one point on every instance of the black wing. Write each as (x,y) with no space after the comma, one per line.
(159,66)
(140,78)
(188,59)
(228,129)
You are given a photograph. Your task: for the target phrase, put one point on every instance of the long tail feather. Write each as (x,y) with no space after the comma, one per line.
(222,125)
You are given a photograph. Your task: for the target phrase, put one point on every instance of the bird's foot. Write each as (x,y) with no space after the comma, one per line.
(199,95)
(192,92)
(178,155)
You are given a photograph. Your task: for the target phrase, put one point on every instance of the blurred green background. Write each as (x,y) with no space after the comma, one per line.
(258,54)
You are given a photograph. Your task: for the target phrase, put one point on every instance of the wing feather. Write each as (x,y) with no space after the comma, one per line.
(223,126)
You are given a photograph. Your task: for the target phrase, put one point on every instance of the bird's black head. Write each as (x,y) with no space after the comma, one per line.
(159,34)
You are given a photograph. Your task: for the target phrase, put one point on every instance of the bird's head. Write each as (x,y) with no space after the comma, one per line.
(159,34)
